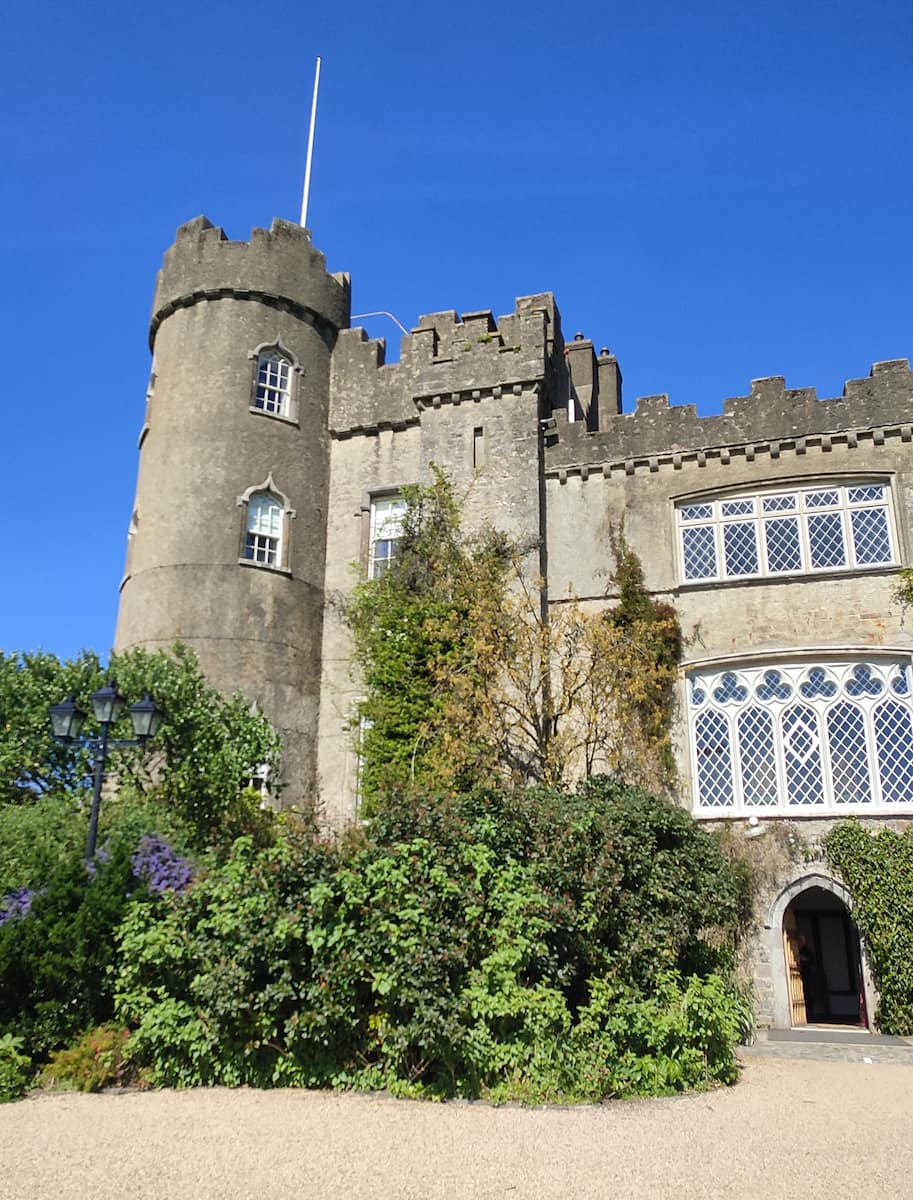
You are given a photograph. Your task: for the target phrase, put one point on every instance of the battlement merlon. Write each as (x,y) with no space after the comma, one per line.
(770,412)
(278,266)
(445,355)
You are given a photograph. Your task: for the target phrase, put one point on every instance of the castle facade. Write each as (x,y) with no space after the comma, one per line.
(274,449)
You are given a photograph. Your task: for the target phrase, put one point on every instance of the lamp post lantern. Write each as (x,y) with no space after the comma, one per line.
(107,705)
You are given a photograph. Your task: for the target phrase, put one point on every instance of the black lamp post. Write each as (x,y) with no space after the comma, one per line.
(107,705)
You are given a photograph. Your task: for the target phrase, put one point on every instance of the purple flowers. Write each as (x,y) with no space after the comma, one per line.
(102,855)
(15,904)
(162,868)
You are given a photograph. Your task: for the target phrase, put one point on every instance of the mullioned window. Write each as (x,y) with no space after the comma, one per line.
(790,531)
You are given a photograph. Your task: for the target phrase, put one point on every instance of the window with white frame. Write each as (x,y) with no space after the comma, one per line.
(258,781)
(801,739)
(387,513)
(263,536)
(796,530)
(272,385)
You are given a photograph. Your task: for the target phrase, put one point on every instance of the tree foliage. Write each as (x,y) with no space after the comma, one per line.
(207,749)
(413,632)
(54,960)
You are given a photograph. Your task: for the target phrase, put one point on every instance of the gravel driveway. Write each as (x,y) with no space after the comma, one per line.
(789,1129)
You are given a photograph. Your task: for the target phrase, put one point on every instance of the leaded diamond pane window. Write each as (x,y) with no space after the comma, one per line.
(802,753)
(758,761)
(740,543)
(699,547)
(894,738)
(714,763)
(850,768)
(825,539)
(784,548)
(775,504)
(812,529)
(803,738)
(871,536)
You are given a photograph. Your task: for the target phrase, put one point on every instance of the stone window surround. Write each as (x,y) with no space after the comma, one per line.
(369,498)
(268,487)
(791,658)
(377,564)
(296,374)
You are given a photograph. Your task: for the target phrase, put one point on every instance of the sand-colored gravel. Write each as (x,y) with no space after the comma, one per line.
(789,1129)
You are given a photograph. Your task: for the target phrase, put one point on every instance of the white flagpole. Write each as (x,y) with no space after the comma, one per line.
(307,166)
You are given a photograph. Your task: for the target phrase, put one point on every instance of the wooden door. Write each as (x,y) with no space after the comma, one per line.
(793,969)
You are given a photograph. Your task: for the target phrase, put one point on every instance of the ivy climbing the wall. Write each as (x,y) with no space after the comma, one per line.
(878,870)
(472,672)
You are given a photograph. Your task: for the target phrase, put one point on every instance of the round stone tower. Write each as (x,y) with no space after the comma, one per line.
(226,549)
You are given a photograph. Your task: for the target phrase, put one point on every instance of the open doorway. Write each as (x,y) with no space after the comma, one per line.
(823,961)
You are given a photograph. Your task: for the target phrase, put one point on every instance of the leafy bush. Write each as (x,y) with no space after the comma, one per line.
(879,872)
(39,837)
(639,887)
(218,981)
(532,945)
(36,837)
(94,1061)
(54,961)
(15,1068)
(207,749)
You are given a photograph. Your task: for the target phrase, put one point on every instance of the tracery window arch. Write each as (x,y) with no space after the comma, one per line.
(264,536)
(802,738)
(786,531)
(274,386)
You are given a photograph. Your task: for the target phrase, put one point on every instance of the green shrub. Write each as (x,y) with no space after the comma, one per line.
(15,1068)
(37,837)
(638,887)
(878,870)
(54,961)
(535,946)
(217,982)
(94,1061)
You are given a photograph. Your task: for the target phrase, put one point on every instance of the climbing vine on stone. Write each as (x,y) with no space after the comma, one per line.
(878,870)
(468,675)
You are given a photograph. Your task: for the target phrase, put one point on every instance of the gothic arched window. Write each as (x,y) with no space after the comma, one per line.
(265,531)
(275,380)
(263,543)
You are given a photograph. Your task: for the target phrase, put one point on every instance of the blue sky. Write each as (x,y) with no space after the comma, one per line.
(715,191)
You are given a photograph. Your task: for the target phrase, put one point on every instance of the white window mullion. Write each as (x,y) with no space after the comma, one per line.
(871,748)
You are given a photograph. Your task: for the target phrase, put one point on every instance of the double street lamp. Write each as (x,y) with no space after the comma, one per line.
(107,705)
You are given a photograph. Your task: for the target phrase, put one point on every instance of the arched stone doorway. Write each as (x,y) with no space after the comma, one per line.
(811,942)
(823,961)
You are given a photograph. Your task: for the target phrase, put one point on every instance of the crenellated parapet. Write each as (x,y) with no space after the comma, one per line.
(770,414)
(445,359)
(279,267)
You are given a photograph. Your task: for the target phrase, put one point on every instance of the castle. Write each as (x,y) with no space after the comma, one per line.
(273,452)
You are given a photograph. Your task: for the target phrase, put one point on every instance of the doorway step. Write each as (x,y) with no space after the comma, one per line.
(835,1034)
(835,1045)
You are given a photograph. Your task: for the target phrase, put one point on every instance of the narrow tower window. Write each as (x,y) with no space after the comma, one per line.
(272,388)
(263,542)
(265,526)
(478,447)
